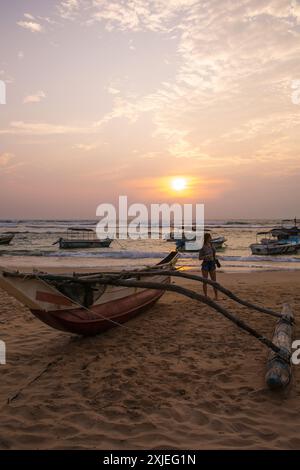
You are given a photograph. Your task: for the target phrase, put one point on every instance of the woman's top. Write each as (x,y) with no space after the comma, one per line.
(207,252)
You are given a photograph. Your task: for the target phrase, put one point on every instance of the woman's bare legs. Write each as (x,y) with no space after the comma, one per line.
(204,285)
(213,276)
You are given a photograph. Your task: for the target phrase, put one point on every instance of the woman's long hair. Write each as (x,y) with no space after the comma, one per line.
(207,238)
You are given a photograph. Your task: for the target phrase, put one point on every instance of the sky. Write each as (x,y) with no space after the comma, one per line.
(119,97)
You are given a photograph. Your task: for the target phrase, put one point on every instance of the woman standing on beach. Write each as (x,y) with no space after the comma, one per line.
(208,255)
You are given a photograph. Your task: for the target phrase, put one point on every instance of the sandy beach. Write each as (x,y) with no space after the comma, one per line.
(178,376)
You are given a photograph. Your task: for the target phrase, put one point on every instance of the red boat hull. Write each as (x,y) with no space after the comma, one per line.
(100,318)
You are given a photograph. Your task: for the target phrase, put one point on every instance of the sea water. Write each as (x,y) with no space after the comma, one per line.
(32,247)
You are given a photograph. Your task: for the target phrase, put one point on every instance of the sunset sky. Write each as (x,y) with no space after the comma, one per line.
(116,97)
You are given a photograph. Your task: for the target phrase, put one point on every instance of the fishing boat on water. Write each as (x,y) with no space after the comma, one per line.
(273,248)
(6,238)
(78,238)
(191,246)
(77,304)
(218,242)
(286,231)
(269,246)
(185,244)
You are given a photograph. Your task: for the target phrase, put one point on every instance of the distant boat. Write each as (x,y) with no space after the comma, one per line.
(287,231)
(76,303)
(181,245)
(5,239)
(269,246)
(218,242)
(274,248)
(78,238)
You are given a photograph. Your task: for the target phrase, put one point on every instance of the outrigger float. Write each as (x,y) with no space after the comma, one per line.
(90,303)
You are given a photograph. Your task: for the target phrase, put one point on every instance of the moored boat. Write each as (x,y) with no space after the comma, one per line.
(78,238)
(218,242)
(76,303)
(269,245)
(287,231)
(191,246)
(273,248)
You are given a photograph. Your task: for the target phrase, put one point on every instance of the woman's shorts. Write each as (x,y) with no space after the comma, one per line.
(208,266)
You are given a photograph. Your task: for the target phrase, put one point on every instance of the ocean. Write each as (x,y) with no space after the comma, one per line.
(32,247)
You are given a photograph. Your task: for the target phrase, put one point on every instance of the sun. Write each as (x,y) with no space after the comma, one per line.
(179,184)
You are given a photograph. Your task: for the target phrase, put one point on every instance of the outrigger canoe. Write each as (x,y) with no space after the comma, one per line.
(68,303)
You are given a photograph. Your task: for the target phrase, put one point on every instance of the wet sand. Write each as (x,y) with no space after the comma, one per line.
(178,376)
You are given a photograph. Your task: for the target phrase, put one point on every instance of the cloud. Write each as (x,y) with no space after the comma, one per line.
(131,45)
(33,23)
(85,147)
(273,124)
(5,159)
(36,98)
(8,166)
(295,9)
(44,129)
(28,16)
(32,26)
(138,15)
(113,91)
(68,9)
(236,61)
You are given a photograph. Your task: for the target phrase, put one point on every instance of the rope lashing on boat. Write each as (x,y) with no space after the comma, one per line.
(113,280)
